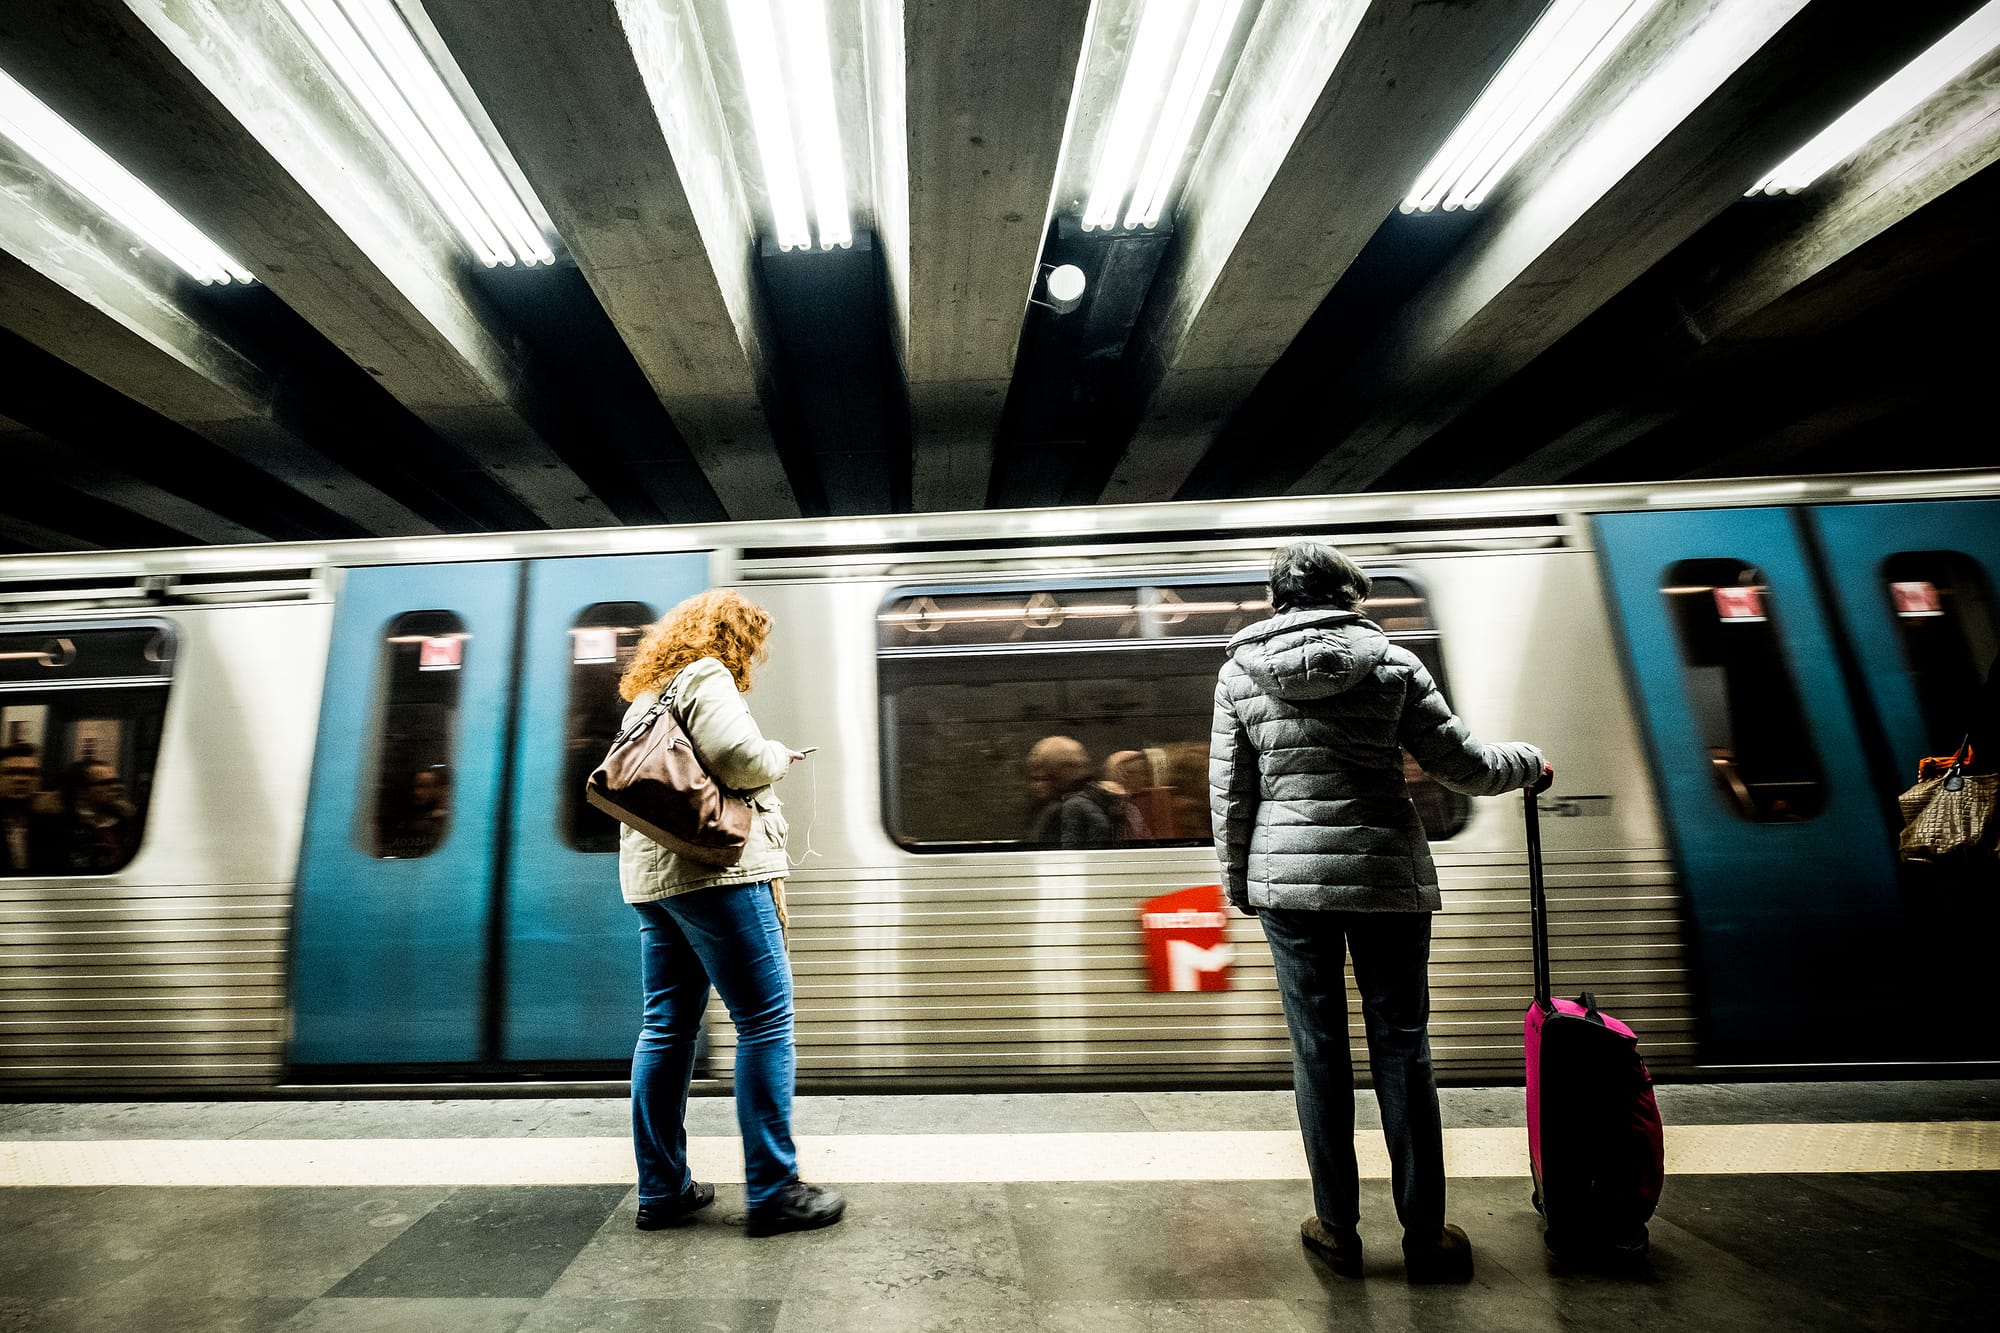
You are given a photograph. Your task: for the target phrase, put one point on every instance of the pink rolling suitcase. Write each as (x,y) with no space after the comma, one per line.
(1594,1135)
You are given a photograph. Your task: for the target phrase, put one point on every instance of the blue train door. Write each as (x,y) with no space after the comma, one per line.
(456,906)
(1786,852)
(390,952)
(1913,585)
(570,954)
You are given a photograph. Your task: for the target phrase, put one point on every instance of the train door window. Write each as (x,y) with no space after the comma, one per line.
(423,662)
(1745,703)
(81,708)
(1944,613)
(1076,716)
(601,644)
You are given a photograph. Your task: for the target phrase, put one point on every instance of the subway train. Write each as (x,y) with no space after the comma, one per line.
(311,814)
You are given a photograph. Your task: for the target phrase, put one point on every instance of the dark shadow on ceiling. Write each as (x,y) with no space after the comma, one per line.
(341,410)
(848,448)
(1287,424)
(610,426)
(60,401)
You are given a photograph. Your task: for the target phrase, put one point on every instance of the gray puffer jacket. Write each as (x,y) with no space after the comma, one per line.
(1305,776)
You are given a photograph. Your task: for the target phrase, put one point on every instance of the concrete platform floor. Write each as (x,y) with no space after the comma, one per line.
(1795,1249)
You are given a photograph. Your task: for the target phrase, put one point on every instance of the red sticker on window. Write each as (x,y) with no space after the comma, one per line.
(596,643)
(1744,603)
(1916,599)
(440,654)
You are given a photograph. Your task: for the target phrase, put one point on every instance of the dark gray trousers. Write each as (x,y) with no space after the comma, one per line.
(1391,971)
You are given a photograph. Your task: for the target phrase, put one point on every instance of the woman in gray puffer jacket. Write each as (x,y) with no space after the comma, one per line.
(1318,837)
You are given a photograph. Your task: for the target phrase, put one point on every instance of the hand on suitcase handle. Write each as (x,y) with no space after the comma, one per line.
(1543,780)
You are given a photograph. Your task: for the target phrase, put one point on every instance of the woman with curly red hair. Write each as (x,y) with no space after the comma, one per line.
(703,925)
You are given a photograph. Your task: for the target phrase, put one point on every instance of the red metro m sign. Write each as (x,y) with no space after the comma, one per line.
(1186,944)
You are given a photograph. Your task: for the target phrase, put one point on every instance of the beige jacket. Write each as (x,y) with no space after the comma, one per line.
(704,698)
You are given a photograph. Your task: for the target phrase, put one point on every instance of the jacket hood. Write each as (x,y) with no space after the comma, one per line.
(1310,654)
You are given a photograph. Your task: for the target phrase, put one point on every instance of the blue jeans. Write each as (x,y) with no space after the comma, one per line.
(728,936)
(1392,953)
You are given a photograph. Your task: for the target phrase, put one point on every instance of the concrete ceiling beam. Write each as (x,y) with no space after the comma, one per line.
(1358,94)
(1706,97)
(655,218)
(1778,451)
(1938,147)
(969,101)
(30,453)
(222,109)
(79,287)
(1915,202)
(1580,446)
(28,536)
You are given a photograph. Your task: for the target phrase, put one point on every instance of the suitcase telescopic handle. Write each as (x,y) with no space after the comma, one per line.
(1538,901)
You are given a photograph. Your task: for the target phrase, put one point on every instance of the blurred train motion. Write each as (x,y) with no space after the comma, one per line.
(313,813)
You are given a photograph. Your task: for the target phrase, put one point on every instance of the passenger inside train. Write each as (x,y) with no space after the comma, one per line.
(31,837)
(1073,811)
(88,825)
(425,814)
(1128,775)
(100,826)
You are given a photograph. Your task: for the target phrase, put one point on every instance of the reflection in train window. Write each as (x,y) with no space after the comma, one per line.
(601,644)
(1746,707)
(423,659)
(81,708)
(1944,616)
(1078,717)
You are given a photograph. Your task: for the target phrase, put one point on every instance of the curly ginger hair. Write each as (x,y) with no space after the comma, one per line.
(719,623)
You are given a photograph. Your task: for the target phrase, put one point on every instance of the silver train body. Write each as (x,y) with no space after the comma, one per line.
(915,968)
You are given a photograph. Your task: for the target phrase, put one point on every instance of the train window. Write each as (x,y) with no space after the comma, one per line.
(1944,613)
(601,644)
(1077,716)
(81,707)
(423,659)
(1746,706)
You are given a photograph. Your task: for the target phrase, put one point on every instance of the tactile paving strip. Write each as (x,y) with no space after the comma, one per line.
(936,1158)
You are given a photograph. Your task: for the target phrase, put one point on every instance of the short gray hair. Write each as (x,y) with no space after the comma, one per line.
(1311,576)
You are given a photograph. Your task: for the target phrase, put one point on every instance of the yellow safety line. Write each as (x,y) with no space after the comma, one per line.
(934,1158)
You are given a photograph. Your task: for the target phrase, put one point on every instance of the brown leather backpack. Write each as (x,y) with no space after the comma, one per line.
(652,780)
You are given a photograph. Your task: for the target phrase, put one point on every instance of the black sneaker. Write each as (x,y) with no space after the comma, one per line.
(798,1207)
(676,1212)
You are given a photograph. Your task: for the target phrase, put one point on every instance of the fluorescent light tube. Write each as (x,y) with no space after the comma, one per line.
(371,51)
(812,80)
(89,170)
(1567,46)
(1906,90)
(1193,76)
(763,84)
(1138,95)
